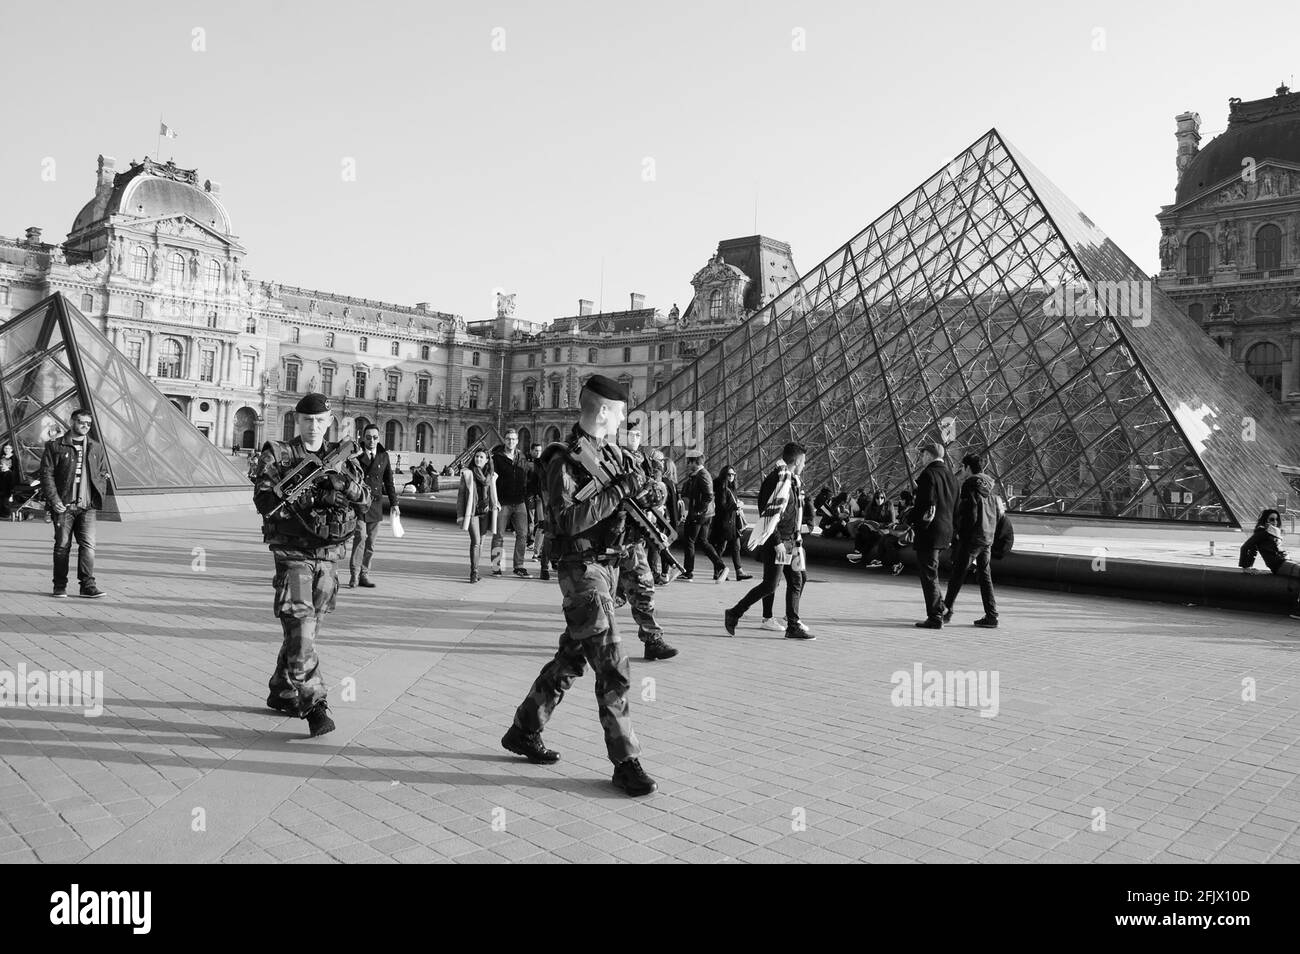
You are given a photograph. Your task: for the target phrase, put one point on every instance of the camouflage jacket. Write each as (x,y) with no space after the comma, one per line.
(321,524)
(586,530)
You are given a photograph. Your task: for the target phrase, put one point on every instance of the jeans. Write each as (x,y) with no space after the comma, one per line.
(365,548)
(80,524)
(766,590)
(697,535)
(927,564)
(984,573)
(519,513)
(479,525)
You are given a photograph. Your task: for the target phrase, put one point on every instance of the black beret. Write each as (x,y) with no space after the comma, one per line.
(606,388)
(313,403)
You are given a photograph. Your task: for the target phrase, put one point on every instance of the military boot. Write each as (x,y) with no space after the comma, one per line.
(319,721)
(631,778)
(280,704)
(529,745)
(656,648)
(352,580)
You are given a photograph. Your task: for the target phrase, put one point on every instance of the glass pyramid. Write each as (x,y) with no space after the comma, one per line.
(54,360)
(987,311)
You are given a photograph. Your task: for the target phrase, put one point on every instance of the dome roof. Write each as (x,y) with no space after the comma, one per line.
(1262,129)
(154,190)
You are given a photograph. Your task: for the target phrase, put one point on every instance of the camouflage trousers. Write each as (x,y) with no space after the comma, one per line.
(590,636)
(305,587)
(636,585)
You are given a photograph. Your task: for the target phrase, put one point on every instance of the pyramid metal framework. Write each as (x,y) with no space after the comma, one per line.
(54,360)
(987,310)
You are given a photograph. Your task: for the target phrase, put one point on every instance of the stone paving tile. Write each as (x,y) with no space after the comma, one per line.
(765,751)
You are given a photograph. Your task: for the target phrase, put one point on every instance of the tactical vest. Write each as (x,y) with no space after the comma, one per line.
(606,540)
(313,527)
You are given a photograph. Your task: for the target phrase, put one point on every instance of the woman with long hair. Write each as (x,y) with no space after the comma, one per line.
(10,478)
(727,520)
(1266,542)
(477,505)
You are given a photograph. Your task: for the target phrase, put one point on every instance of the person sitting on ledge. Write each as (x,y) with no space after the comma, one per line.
(1266,541)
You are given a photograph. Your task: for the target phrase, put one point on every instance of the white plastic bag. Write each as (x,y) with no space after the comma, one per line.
(398,530)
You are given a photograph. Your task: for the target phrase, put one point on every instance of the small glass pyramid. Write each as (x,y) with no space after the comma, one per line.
(54,360)
(987,311)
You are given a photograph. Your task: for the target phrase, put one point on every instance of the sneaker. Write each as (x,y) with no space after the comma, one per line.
(658,649)
(720,576)
(800,632)
(855,557)
(947,613)
(60,592)
(521,571)
(896,569)
(987,622)
(365,581)
(772,623)
(687,578)
(873,564)
(632,779)
(529,745)
(800,625)
(729,621)
(319,721)
(930,623)
(91,592)
(743,576)
(280,704)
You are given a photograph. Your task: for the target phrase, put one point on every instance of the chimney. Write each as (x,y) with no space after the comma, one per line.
(638,301)
(213,187)
(422,306)
(1189,139)
(585,306)
(33,235)
(105,171)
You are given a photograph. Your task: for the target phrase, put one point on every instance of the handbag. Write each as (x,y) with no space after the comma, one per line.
(798,562)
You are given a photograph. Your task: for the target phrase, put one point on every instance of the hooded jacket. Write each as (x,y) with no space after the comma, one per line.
(977,511)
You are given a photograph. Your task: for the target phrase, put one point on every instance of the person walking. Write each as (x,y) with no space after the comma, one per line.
(976,525)
(672,511)
(727,520)
(74,480)
(931,519)
(697,493)
(511,469)
(11,476)
(1266,542)
(306,537)
(533,496)
(779,542)
(636,584)
(377,472)
(477,506)
(588,540)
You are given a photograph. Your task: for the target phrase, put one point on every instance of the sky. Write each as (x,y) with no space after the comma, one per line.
(565,150)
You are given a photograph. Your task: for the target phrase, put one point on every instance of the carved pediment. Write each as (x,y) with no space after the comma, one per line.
(182,226)
(1267,181)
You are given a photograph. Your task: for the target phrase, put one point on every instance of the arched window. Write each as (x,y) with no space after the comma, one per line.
(395,349)
(360,424)
(176,269)
(552,434)
(212,276)
(424,352)
(290,426)
(423,438)
(1268,247)
(525,438)
(295,335)
(393,436)
(329,339)
(591,356)
(472,435)
(1264,365)
(169,359)
(140,264)
(363,344)
(1198,255)
(715,305)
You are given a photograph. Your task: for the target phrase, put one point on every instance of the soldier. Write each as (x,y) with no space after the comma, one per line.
(306,537)
(635,580)
(589,546)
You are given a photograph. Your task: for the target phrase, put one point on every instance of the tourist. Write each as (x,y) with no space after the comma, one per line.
(378,475)
(636,581)
(11,477)
(931,519)
(835,522)
(778,542)
(74,479)
(877,516)
(727,520)
(511,468)
(533,495)
(1266,542)
(672,510)
(477,506)
(975,523)
(697,494)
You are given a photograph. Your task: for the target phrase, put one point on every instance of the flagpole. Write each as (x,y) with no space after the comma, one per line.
(158,146)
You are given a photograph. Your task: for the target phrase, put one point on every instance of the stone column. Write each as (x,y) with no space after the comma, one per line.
(116,331)
(191,368)
(150,363)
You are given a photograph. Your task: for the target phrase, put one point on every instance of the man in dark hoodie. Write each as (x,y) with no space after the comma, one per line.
(931,520)
(511,467)
(976,528)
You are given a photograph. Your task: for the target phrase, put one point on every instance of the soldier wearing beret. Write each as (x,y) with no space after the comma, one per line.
(636,582)
(307,536)
(588,541)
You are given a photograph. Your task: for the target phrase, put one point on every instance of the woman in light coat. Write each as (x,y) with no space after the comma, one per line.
(477,505)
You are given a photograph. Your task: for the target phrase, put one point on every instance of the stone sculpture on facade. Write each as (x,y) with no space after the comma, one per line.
(505,305)
(1168,250)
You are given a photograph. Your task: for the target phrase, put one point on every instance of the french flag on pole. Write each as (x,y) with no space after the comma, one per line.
(167,131)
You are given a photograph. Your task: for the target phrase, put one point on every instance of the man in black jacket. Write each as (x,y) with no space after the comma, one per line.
(511,468)
(931,518)
(697,493)
(976,526)
(74,479)
(378,473)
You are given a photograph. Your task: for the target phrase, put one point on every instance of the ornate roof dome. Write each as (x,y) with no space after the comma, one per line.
(1261,129)
(152,190)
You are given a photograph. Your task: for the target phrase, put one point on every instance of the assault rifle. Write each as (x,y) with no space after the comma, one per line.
(605,463)
(305,474)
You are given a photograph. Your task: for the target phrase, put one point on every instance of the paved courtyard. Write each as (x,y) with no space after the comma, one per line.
(1119,731)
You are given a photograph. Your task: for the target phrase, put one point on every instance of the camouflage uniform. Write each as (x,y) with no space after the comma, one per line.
(306,547)
(587,541)
(636,584)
